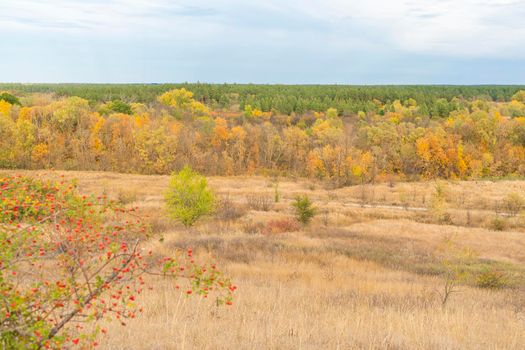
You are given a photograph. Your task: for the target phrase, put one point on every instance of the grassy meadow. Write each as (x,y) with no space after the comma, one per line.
(370,272)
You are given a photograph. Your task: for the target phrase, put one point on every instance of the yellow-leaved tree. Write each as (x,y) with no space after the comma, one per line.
(183,104)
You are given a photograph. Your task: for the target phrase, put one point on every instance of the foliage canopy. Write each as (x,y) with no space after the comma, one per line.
(188,197)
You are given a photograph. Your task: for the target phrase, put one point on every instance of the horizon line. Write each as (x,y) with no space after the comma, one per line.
(252,83)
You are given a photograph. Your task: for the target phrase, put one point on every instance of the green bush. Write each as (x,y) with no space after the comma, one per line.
(498,224)
(120,107)
(7,97)
(116,106)
(491,278)
(188,197)
(304,209)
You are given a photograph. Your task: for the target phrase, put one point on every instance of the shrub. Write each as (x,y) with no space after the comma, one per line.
(261,202)
(304,209)
(445,219)
(281,226)
(68,259)
(491,278)
(453,261)
(438,205)
(12,99)
(498,224)
(188,197)
(276,194)
(228,210)
(127,197)
(253,228)
(116,106)
(404,199)
(514,203)
(119,106)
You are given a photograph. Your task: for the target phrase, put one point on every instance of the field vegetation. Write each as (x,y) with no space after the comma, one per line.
(199,216)
(379,270)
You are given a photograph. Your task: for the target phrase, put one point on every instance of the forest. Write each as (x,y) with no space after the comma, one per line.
(345,135)
(436,100)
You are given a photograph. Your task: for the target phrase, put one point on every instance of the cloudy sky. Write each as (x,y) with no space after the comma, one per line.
(270,41)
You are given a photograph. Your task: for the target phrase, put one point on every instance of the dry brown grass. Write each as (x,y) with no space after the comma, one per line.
(357,278)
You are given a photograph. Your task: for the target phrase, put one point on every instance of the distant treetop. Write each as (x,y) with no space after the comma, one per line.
(285,99)
(12,99)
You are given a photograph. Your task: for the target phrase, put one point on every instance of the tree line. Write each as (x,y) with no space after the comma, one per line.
(435,100)
(396,140)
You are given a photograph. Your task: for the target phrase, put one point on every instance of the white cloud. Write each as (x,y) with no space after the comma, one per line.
(450,27)
(455,28)
(109,18)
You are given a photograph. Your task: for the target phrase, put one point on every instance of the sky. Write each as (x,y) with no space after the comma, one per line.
(270,41)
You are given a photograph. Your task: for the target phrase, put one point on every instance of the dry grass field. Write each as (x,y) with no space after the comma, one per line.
(368,273)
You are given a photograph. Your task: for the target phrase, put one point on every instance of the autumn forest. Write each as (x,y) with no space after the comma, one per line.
(345,135)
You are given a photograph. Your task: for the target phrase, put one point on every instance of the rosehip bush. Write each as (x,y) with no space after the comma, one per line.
(68,261)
